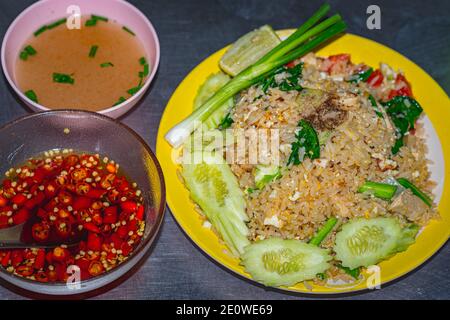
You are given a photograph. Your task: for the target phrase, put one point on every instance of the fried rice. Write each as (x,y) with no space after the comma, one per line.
(355,146)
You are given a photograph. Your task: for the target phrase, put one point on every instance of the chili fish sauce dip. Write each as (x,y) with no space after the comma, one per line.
(63,197)
(92,68)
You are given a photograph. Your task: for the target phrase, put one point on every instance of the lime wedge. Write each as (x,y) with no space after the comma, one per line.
(248,49)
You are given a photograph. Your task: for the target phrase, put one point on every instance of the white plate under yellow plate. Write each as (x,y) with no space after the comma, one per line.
(429,94)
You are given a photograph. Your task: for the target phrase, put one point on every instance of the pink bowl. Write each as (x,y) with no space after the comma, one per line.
(46,11)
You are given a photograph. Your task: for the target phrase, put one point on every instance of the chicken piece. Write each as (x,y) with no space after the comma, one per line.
(408,205)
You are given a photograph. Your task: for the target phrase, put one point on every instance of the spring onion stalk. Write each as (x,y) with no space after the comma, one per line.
(324,231)
(293,40)
(416,191)
(380,190)
(317,36)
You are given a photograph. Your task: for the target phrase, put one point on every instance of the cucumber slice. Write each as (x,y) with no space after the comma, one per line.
(364,242)
(278,262)
(215,189)
(248,49)
(408,237)
(211,85)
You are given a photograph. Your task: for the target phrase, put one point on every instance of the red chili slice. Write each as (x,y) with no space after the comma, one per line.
(4,222)
(19,199)
(129,206)
(94,242)
(41,276)
(39,262)
(78,174)
(83,188)
(375,79)
(40,231)
(5,259)
(65,198)
(95,193)
(95,268)
(140,213)
(50,190)
(91,227)
(16,257)
(126,249)
(63,228)
(3,201)
(24,271)
(60,254)
(110,215)
(71,160)
(21,216)
(81,203)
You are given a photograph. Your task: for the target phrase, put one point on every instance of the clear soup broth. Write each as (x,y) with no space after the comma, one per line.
(91,68)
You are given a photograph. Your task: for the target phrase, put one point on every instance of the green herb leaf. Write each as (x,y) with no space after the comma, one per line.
(106,64)
(306,145)
(31,95)
(352,272)
(128,30)
(403,111)
(93,51)
(63,78)
(96,17)
(291,82)
(361,76)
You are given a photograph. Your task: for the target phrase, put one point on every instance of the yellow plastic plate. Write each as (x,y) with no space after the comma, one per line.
(429,94)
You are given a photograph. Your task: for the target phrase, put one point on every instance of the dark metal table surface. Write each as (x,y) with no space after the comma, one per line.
(189,31)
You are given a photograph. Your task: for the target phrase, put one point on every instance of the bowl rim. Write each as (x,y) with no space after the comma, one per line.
(143,245)
(133,99)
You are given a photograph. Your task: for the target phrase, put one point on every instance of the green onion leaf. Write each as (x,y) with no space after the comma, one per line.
(143,61)
(146,70)
(324,231)
(128,30)
(380,190)
(106,64)
(23,55)
(405,183)
(93,51)
(96,17)
(134,90)
(90,23)
(31,95)
(30,50)
(121,99)
(63,78)
(56,23)
(40,30)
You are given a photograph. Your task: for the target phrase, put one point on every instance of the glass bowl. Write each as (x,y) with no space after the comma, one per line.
(94,133)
